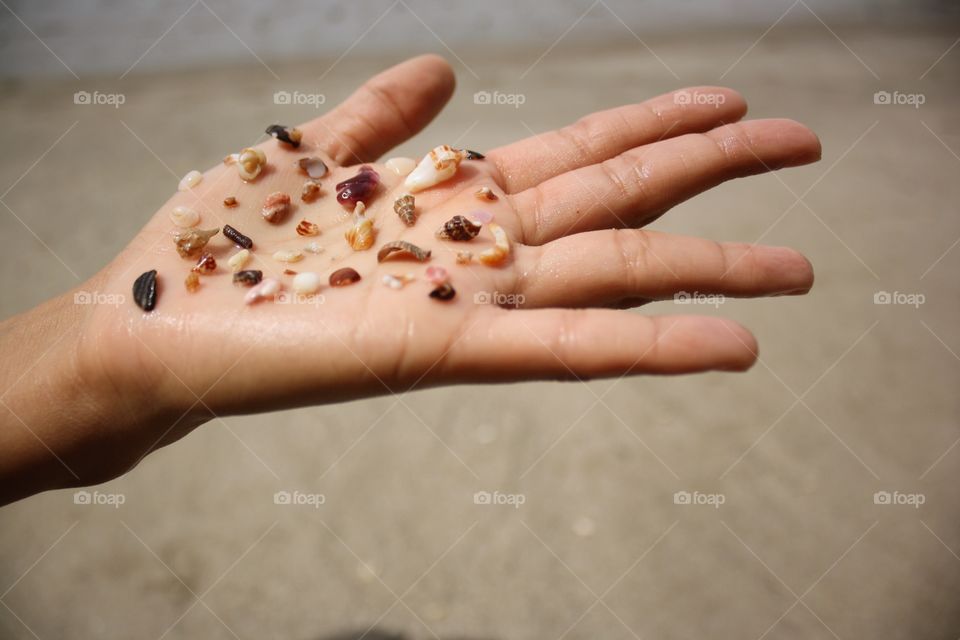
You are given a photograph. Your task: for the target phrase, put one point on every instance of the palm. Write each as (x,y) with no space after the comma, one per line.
(562,195)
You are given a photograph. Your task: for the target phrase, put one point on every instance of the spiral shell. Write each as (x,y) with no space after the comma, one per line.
(360,235)
(145,290)
(275,207)
(307,228)
(405,207)
(184,217)
(496,254)
(191,243)
(402,249)
(249,161)
(436,167)
(459,228)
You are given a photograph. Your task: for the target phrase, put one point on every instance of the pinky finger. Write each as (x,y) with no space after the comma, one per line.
(587,343)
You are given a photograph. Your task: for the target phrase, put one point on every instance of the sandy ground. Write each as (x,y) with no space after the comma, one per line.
(850,398)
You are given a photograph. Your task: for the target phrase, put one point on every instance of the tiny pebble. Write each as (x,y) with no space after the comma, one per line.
(313,247)
(230,201)
(192,282)
(288,255)
(437,274)
(190,180)
(307,282)
(239,260)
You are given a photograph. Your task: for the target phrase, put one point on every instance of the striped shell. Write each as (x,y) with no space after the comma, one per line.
(145,290)
(402,249)
(360,235)
(405,207)
(307,228)
(459,228)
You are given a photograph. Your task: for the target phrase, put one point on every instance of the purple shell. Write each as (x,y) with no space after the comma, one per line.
(358,188)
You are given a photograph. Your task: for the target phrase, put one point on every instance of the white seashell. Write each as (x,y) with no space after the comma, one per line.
(269,288)
(397,282)
(190,180)
(307,282)
(438,165)
(288,255)
(314,247)
(184,217)
(401,166)
(239,260)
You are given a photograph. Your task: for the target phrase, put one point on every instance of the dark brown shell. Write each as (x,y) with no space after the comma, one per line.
(191,243)
(405,207)
(402,249)
(237,238)
(474,155)
(290,135)
(145,290)
(343,277)
(247,278)
(460,229)
(230,202)
(444,292)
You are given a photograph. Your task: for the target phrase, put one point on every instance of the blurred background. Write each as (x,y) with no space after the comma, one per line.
(815,496)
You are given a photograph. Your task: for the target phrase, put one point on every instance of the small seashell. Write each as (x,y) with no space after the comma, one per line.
(310,191)
(500,250)
(443,292)
(483,217)
(230,202)
(397,282)
(437,274)
(307,282)
(247,278)
(358,188)
(459,229)
(250,162)
(486,193)
(360,236)
(184,217)
(239,260)
(275,207)
(401,166)
(402,249)
(145,290)
(307,228)
(207,264)
(313,247)
(190,243)
(237,238)
(436,167)
(290,135)
(313,167)
(190,180)
(473,155)
(343,277)
(405,207)
(269,288)
(464,257)
(192,282)
(288,255)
